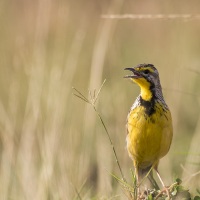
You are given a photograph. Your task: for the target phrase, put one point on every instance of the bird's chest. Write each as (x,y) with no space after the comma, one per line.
(146,116)
(144,133)
(139,121)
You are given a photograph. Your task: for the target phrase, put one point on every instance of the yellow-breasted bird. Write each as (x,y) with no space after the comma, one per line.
(149,122)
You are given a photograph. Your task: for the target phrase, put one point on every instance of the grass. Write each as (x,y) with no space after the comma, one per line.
(51,144)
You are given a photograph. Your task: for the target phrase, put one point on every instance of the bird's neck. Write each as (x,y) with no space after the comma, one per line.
(146,93)
(147,100)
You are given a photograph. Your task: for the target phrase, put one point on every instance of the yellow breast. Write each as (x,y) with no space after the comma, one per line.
(149,137)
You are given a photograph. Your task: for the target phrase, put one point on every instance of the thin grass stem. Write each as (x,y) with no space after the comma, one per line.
(92,102)
(77,192)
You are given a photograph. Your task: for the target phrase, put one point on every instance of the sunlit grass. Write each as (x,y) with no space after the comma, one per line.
(53,146)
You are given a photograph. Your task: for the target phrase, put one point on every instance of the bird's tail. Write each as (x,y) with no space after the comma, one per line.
(149,173)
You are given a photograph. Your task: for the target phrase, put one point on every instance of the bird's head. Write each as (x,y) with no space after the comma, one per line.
(147,77)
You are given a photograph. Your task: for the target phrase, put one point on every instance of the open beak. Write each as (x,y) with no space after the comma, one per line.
(135,74)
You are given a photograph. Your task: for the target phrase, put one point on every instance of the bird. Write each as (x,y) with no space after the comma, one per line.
(149,123)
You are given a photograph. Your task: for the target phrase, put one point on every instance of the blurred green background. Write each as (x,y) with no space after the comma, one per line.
(52,145)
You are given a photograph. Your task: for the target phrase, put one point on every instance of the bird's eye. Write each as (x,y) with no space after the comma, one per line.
(146,71)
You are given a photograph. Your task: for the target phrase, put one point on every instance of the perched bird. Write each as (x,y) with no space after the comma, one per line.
(149,122)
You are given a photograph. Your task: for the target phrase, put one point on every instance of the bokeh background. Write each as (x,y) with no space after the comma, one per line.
(52,145)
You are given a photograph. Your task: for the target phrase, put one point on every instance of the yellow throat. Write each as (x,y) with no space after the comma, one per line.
(146,93)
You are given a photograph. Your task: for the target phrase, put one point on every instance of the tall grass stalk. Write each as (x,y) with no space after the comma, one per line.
(92,101)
